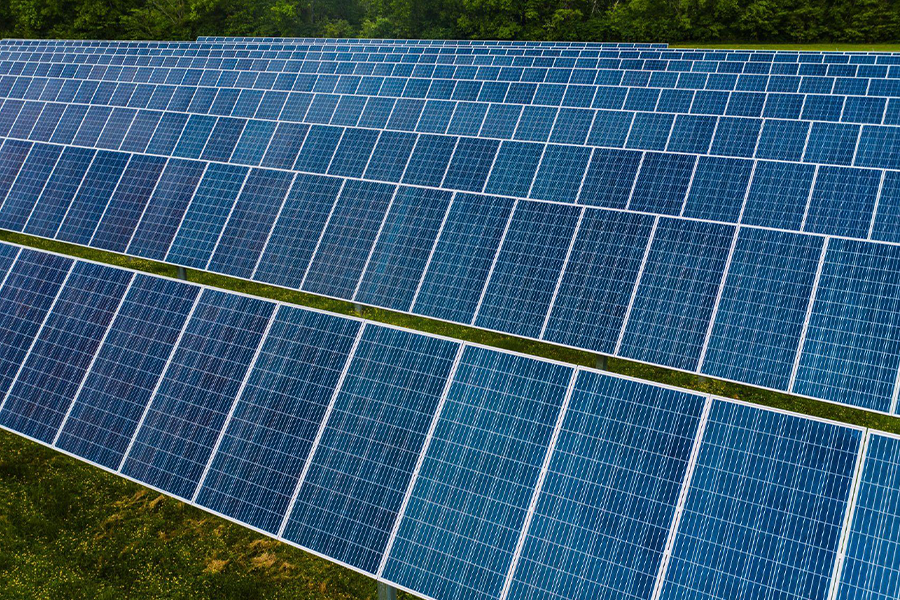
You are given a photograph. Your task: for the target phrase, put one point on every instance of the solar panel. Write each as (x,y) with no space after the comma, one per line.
(866,567)
(439,467)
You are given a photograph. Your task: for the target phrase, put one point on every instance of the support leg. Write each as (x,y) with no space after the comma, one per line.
(386,592)
(182,273)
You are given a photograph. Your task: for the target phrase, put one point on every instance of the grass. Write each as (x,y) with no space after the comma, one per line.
(71,531)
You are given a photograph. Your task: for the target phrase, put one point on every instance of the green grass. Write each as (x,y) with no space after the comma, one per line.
(807,47)
(71,531)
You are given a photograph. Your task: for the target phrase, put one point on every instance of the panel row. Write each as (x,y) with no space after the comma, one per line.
(836,200)
(819,313)
(659,59)
(49,81)
(872,81)
(447,469)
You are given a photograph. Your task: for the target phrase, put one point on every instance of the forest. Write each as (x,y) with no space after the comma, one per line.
(708,21)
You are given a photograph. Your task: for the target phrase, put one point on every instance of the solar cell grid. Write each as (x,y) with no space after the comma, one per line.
(182,420)
(766,507)
(605,509)
(105,412)
(60,354)
(471,494)
(275,391)
(354,485)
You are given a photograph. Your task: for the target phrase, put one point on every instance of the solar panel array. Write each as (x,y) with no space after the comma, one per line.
(447,469)
(747,248)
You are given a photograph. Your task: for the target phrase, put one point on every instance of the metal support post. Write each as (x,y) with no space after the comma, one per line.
(386,592)
(182,273)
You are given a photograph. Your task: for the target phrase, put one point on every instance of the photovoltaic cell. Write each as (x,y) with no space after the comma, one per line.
(250,221)
(527,268)
(166,208)
(514,169)
(297,230)
(206,216)
(361,469)
(398,259)
(12,155)
(852,349)
(256,467)
(561,172)
(610,178)
(49,378)
(588,311)
(118,386)
(29,184)
(25,298)
(869,570)
(718,189)
(662,183)
(842,201)
(762,308)
(459,267)
(677,292)
(603,516)
(348,238)
(93,195)
(127,203)
(187,411)
(764,512)
(778,195)
(475,484)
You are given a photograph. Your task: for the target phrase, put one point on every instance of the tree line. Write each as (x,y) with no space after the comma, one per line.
(795,21)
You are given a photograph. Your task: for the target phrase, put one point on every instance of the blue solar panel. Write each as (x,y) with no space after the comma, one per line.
(352,155)
(674,300)
(30,182)
(429,160)
(852,348)
(165,209)
(779,193)
(588,312)
(347,240)
(124,374)
(358,475)
(763,307)
(514,169)
(842,201)
(251,219)
(610,178)
(561,172)
(528,264)
(662,183)
(90,201)
(461,262)
(189,407)
(869,569)
(265,445)
(128,203)
(25,299)
(43,389)
(718,189)
(296,232)
(206,216)
(603,516)
(472,160)
(474,487)
(12,155)
(404,245)
(765,509)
